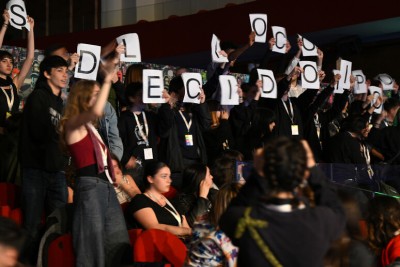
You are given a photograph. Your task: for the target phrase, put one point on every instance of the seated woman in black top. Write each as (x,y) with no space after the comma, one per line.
(195,200)
(151,209)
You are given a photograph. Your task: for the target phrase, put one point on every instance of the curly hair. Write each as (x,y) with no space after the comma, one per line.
(78,102)
(383,221)
(285,163)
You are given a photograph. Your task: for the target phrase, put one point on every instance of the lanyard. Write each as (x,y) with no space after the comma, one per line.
(103,151)
(173,212)
(368,160)
(10,102)
(188,125)
(144,135)
(291,109)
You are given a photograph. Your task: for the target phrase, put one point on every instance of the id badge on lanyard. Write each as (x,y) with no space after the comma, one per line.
(295,129)
(188,136)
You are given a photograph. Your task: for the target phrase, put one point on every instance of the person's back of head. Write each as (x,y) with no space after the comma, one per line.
(233,155)
(285,164)
(223,171)
(354,123)
(228,46)
(192,176)
(391,103)
(224,196)
(356,108)
(383,221)
(56,50)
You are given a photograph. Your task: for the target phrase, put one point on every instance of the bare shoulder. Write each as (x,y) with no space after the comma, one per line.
(73,136)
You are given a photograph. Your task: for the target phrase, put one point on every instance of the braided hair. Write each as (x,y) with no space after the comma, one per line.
(285,164)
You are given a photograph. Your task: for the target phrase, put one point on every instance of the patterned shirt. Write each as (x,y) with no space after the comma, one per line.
(210,247)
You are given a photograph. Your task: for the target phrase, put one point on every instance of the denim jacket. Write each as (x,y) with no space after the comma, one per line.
(108,130)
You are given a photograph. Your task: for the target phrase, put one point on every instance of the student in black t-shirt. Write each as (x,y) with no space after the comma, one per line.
(151,210)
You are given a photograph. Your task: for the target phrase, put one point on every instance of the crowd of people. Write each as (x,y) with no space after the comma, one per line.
(119,161)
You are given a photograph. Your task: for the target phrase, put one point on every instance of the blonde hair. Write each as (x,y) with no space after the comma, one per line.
(78,102)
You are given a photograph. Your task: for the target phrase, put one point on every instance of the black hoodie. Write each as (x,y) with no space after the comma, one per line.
(39,144)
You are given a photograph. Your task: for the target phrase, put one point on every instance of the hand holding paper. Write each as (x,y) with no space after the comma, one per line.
(18,16)
(6,16)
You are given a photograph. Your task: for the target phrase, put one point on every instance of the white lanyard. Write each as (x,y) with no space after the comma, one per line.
(188,125)
(10,102)
(146,126)
(173,212)
(368,160)
(287,111)
(103,152)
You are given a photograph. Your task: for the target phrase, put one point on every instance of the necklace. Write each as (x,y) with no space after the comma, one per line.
(157,200)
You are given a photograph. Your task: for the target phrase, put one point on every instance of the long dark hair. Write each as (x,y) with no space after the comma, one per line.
(192,176)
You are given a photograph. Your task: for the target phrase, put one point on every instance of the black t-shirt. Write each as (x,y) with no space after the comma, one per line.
(141,201)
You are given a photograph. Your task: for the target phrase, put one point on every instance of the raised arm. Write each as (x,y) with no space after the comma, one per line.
(235,54)
(295,60)
(6,18)
(98,108)
(19,79)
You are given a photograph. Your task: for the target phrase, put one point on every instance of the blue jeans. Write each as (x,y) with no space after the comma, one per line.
(99,231)
(40,189)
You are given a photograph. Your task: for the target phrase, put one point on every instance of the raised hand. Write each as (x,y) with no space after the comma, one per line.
(271,42)
(31,22)
(321,75)
(202,96)
(252,38)
(6,16)
(73,60)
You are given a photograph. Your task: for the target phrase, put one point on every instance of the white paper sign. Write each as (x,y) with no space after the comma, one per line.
(280,39)
(18,16)
(215,49)
(309,77)
(229,88)
(360,87)
(386,81)
(132,47)
(308,49)
(192,82)
(153,86)
(259,24)
(337,89)
(376,92)
(345,73)
(269,89)
(89,61)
